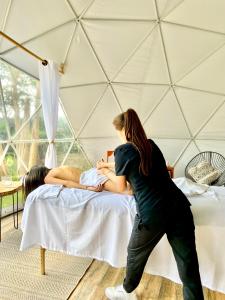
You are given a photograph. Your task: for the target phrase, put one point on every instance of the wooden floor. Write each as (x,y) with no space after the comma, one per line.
(100,275)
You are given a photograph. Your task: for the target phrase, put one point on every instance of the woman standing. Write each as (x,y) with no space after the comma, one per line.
(161,209)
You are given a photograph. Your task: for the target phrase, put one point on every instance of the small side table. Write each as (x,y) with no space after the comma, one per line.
(10,190)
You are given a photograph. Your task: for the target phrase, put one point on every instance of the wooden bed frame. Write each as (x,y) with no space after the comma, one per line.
(43,250)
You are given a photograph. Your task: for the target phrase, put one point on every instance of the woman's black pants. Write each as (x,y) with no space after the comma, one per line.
(179,229)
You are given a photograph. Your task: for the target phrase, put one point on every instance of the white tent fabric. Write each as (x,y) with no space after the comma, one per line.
(49,87)
(164,58)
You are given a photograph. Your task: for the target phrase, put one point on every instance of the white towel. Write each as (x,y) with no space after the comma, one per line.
(91,177)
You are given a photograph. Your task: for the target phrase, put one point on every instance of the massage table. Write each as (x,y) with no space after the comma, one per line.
(98,225)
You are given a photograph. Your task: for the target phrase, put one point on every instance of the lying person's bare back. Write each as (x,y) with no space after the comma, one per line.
(66,173)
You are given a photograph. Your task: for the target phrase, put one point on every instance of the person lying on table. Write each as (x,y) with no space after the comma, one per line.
(70,177)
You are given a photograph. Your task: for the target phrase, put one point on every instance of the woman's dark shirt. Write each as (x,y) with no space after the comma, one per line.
(156,194)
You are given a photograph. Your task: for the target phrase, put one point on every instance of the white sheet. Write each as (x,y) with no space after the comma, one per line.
(99,225)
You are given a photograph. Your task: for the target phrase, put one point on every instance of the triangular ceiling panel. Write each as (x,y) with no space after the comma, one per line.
(4,9)
(81,64)
(209,75)
(142,98)
(28,19)
(206,14)
(114,39)
(171,148)
(147,64)
(189,153)
(78,103)
(21,60)
(187,47)
(204,105)
(215,128)
(96,153)
(4,4)
(100,122)
(80,6)
(167,121)
(52,45)
(165,7)
(216,146)
(126,9)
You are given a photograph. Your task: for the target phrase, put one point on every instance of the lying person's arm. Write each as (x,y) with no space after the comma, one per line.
(52,178)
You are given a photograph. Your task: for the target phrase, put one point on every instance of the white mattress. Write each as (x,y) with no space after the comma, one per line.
(98,225)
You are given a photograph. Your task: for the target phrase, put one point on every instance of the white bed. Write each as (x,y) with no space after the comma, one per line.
(98,225)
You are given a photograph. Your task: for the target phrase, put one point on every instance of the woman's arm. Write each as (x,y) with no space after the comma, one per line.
(120,181)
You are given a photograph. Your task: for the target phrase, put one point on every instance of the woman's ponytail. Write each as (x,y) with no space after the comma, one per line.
(135,134)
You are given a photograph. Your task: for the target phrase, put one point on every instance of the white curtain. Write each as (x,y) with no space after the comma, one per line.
(49,87)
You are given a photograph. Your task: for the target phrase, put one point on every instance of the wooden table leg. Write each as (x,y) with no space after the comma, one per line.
(42,253)
(15,220)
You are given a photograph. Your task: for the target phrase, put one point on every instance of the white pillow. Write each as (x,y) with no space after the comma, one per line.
(204,173)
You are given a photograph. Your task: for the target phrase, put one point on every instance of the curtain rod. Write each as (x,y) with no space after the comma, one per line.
(44,61)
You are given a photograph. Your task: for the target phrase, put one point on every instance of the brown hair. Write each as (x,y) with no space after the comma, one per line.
(33,179)
(135,134)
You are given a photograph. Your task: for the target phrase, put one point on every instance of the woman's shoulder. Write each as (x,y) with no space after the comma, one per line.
(151,141)
(125,147)
(131,147)
(126,151)
(153,144)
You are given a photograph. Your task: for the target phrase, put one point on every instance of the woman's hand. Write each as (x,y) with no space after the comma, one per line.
(129,189)
(103,171)
(98,188)
(101,164)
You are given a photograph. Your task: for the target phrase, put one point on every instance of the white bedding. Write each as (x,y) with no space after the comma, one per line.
(99,225)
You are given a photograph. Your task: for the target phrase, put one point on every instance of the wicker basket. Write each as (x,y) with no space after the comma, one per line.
(213,158)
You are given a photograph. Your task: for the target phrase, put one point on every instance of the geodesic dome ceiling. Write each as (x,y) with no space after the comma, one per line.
(164,58)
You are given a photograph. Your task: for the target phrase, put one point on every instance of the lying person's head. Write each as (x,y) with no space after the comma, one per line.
(34,178)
